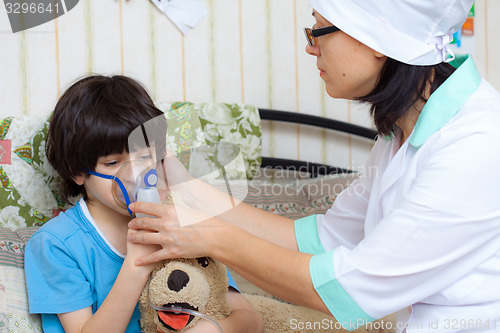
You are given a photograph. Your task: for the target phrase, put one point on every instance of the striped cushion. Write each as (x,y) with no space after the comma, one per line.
(12,244)
(14,314)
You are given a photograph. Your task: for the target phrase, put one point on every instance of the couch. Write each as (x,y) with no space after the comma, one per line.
(25,173)
(293,199)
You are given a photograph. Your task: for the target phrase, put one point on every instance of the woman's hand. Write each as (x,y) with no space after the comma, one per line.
(181,231)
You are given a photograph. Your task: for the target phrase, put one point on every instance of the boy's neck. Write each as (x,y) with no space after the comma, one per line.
(112,224)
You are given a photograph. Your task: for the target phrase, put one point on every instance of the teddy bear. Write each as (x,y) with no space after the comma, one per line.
(201,284)
(198,284)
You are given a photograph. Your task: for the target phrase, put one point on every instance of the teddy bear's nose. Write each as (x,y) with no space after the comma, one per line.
(177,280)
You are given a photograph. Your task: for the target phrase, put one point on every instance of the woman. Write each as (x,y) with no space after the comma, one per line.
(423,237)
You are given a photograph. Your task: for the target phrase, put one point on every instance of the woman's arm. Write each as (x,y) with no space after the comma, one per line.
(204,197)
(271,227)
(281,272)
(278,270)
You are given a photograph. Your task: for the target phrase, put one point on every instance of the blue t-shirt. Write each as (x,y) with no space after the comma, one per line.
(69,266)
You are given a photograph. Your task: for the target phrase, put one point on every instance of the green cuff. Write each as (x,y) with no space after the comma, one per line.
(338,301)
(306,233)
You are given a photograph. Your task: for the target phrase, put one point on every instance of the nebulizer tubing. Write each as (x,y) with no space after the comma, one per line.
(186,311)
(182,310)
(224,175)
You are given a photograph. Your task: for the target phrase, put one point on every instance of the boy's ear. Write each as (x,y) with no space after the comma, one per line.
(80,179)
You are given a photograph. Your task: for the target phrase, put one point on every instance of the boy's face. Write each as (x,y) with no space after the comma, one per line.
(99,190)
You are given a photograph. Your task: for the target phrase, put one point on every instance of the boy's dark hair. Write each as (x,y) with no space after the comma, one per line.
(94,118)
(399,86)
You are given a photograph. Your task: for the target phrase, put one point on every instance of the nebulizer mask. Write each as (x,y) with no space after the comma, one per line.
(135,180)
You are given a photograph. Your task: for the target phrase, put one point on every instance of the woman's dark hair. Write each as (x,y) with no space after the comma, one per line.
(94,118)
(399,86)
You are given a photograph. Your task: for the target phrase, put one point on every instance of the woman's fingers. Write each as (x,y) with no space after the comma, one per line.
(144,223)
(152,258)
(144,237)
(167,214)
(149,208)
(152,224)
(180,231)
(168,251)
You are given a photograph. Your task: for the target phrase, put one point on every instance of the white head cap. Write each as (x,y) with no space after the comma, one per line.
(415,32)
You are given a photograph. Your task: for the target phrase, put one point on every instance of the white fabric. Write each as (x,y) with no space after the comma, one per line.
(185,14)
(428,219)
(416,32)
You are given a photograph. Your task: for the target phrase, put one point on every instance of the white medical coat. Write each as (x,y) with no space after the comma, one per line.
(420,228)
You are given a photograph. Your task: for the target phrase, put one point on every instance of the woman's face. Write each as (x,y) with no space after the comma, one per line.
(349,68)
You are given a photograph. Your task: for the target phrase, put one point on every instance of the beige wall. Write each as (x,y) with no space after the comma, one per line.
(249,51)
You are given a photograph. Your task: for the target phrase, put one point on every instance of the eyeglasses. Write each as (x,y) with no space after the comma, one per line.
(312,34)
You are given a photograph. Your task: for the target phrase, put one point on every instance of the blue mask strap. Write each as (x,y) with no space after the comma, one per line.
(120,184)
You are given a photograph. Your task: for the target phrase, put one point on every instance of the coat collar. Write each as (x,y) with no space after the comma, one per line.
(447,100)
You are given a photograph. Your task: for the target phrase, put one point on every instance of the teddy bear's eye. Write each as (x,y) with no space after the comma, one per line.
(203,261)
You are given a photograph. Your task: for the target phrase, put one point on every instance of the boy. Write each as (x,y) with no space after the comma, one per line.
(80,269)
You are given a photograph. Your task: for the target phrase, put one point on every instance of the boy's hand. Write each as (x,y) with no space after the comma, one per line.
(243,318)
(135,251)
(203,326)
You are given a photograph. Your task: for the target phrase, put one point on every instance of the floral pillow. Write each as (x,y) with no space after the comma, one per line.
(206,135)
(28,191)
(201,134)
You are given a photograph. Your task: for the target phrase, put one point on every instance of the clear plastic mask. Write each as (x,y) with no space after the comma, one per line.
(133,180)
(136,180)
